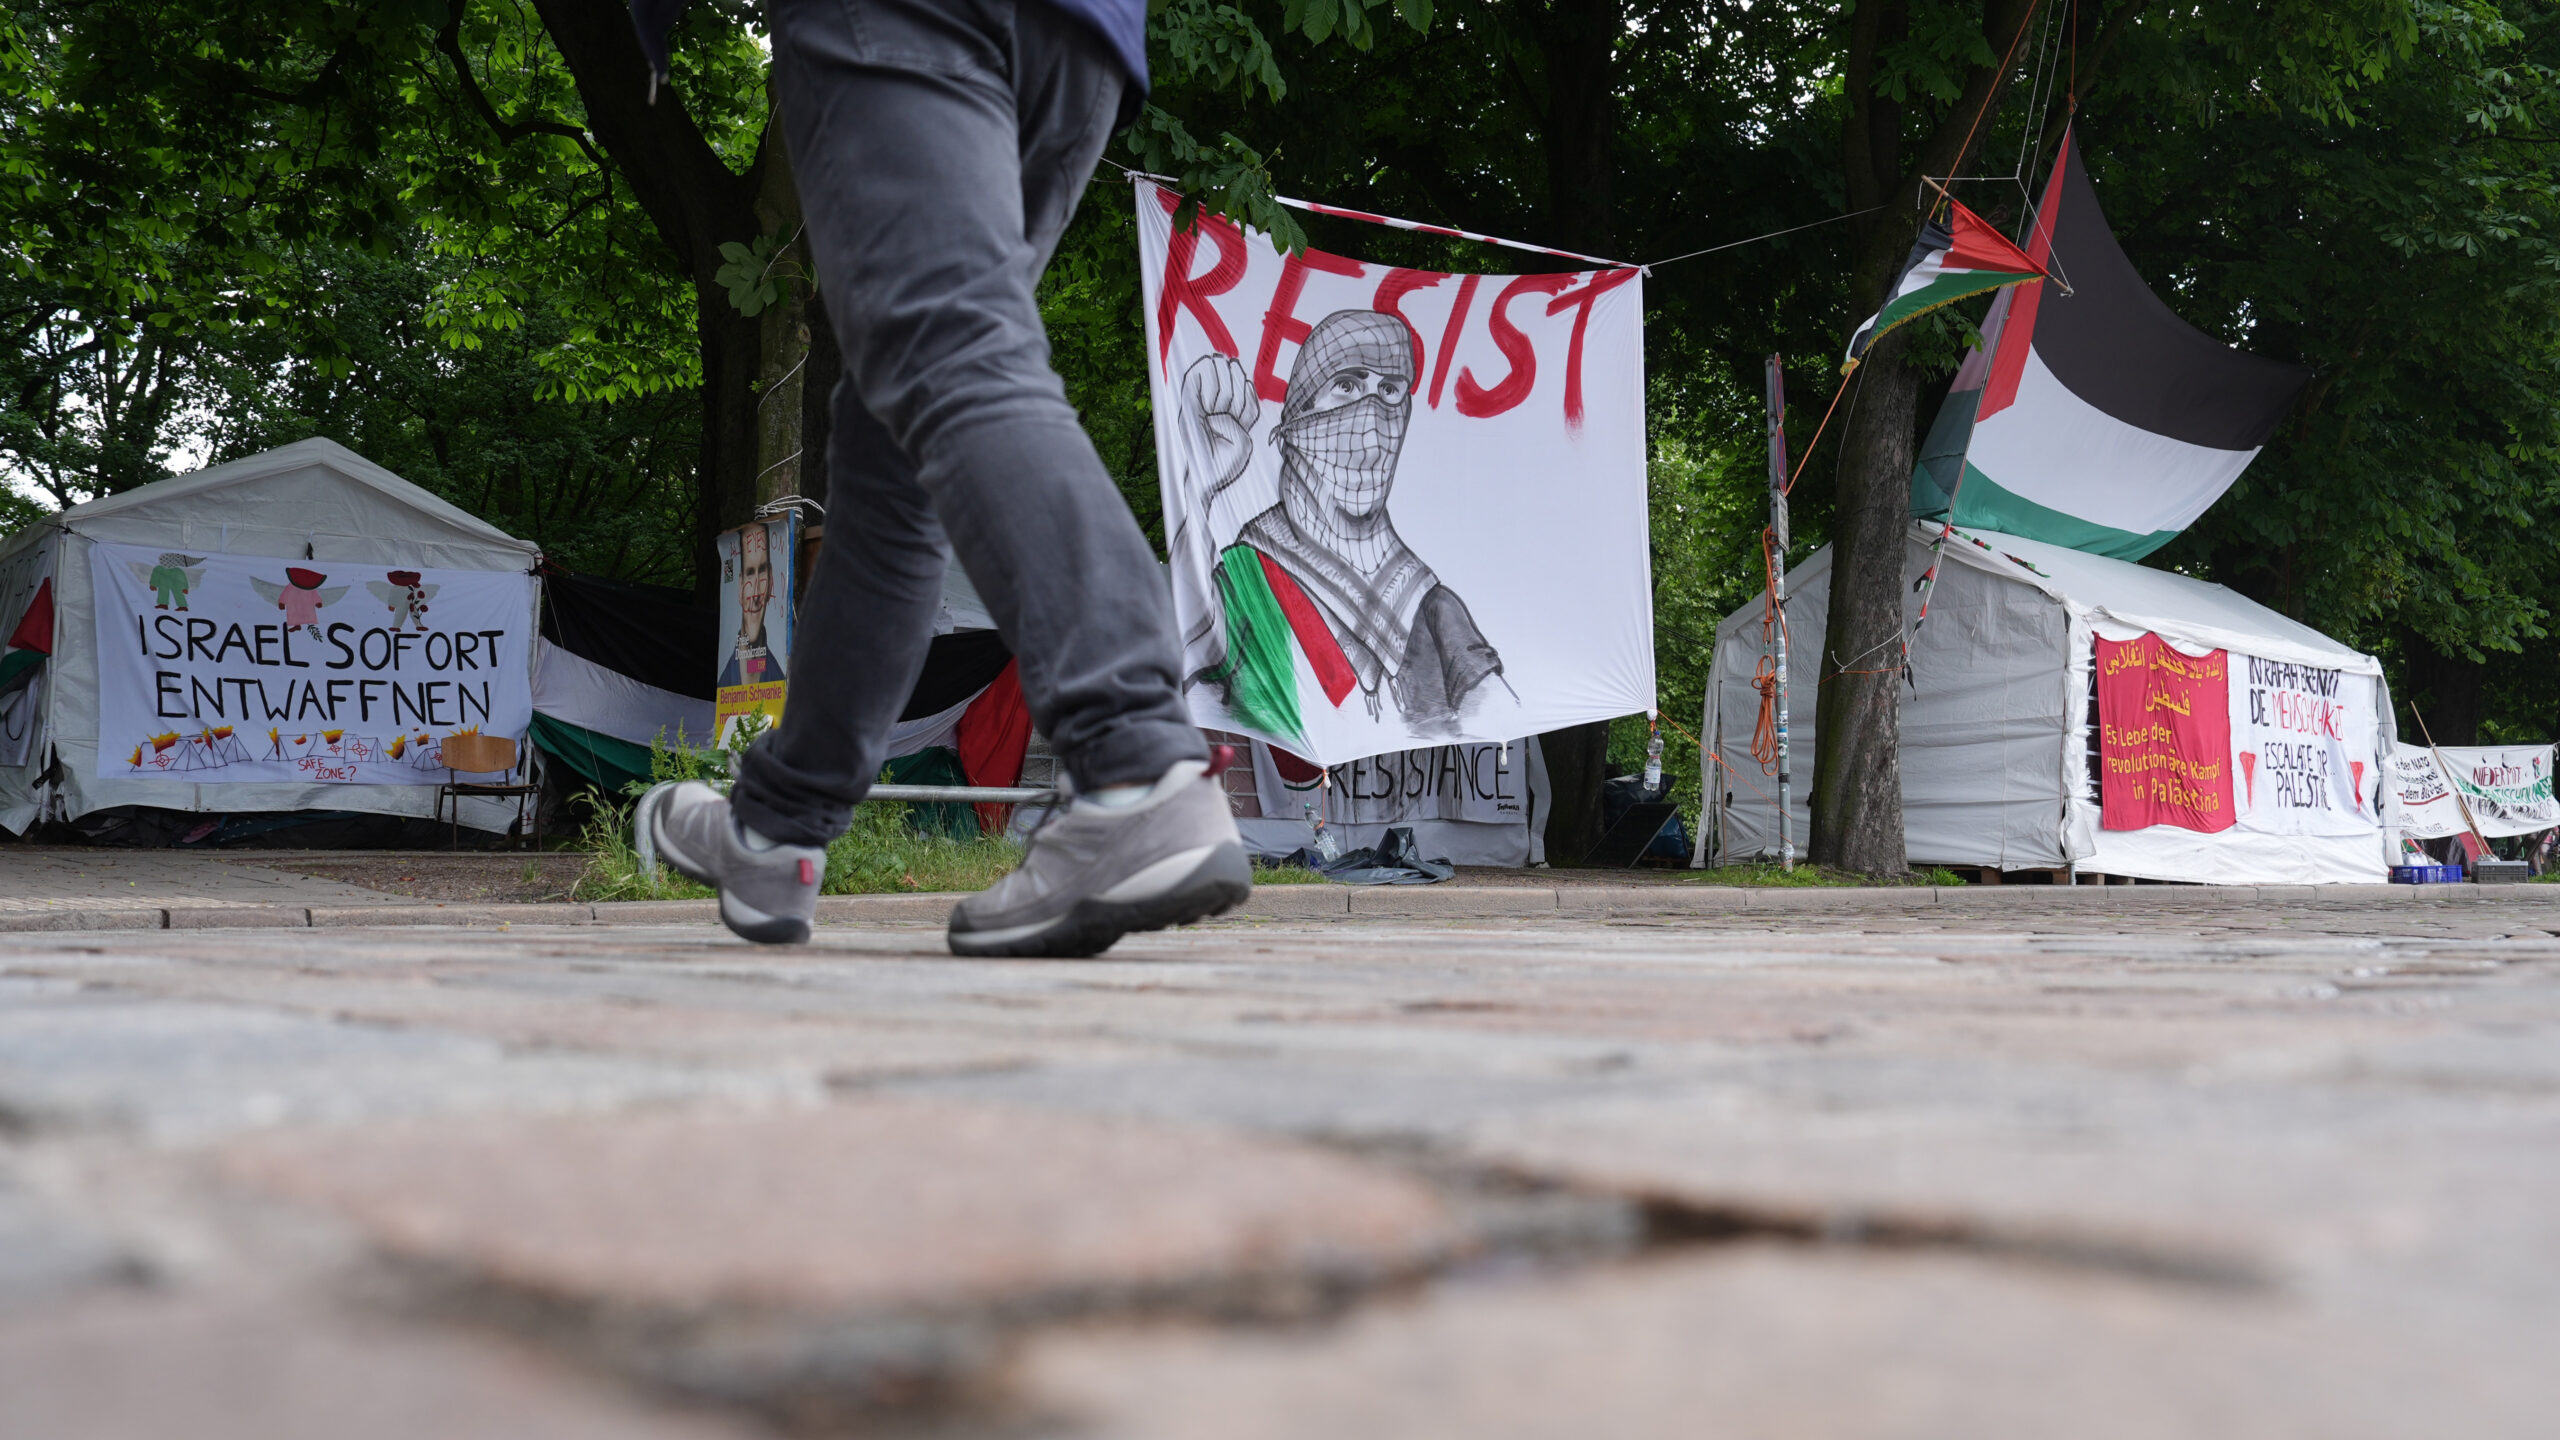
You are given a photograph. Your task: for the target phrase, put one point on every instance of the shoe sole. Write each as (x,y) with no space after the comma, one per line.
(752,924)
(1219,883)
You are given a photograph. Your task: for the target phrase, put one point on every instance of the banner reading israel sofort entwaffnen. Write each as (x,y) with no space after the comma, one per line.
(216,669)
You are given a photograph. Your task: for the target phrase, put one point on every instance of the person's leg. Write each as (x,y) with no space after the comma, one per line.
(865,624)
(939,147)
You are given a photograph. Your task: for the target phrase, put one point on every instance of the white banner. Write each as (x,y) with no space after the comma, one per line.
(1479,783)
(1404,508)
(2302,744)
(2507,787)
(227,668)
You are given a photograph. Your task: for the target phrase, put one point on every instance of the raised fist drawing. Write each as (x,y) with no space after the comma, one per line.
(1219,405)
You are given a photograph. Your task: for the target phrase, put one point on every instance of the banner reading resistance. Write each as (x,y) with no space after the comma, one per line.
(1485,784)
(226,668)
(1405,508)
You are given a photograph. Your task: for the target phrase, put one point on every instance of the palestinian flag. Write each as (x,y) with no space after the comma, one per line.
(1949,262)
(31,642)
(2093,417)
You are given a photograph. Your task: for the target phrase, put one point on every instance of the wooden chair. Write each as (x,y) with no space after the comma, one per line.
(488,755)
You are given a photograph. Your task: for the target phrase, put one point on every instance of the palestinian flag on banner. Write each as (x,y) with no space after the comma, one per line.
(1952,260)
(2093,417)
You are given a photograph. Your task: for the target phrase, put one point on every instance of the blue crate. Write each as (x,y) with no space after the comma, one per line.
(2426,874)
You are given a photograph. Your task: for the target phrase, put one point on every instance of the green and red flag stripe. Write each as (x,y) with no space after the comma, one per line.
(1952,260)
(1265,610)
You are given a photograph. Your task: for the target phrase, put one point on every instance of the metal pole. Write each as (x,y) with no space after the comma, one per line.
(1778,583)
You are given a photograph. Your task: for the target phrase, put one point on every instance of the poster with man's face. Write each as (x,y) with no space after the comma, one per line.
(756,575)
(1405,508)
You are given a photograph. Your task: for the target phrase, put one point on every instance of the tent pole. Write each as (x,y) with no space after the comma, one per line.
(1778,582)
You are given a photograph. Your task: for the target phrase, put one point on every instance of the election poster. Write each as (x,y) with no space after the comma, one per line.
(2302,739)
(2164,721)
(2506,787)
(216,669)
(1405,508)
(758,565)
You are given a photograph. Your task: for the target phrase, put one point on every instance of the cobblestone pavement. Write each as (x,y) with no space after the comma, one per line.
(1975,1166)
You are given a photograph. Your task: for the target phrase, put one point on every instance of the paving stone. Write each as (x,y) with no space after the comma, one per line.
(38,920)
(870,1206)
(236,917)
(859,909)
(1471,900)
(1816,1344)
(182,1072)
(134,1368)
(1298,901)
(347,916)
(44,1253)
(657,912)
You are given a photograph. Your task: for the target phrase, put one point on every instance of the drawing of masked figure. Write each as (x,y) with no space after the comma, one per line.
(1324,566)
(300,597)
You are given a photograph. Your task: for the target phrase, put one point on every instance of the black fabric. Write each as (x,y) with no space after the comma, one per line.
(1394,861)
(956,667)
(652,633)
(2118,347)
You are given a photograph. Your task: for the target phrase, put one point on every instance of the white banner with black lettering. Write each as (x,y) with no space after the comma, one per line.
(229,668)
(2506,787)
(2302,744)
(1483,784)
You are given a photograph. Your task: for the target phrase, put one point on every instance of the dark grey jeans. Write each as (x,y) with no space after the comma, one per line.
(940,148)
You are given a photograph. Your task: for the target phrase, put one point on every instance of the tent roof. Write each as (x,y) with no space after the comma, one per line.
(303,457)
(2117,597)
(2195,613)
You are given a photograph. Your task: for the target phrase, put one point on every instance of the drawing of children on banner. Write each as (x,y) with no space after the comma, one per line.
(1326,562)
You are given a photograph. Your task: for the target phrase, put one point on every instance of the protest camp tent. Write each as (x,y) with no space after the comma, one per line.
(313,501)
(1999,728)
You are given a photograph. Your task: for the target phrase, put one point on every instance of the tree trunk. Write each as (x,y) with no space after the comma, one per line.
(1577,112)
(1577,762)
(782,337)
(2447,690)
(1856,798)
(1856,793)
(696,203)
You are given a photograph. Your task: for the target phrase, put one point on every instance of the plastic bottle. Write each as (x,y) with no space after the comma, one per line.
(1653,764)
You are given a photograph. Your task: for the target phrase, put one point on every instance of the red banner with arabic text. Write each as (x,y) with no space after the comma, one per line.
(2164,730)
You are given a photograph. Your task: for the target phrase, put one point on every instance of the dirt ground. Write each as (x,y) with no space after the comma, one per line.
(427,875)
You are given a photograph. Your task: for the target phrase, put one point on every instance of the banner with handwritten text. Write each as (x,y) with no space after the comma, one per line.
(227,668)
(2303,740)
(2164,722)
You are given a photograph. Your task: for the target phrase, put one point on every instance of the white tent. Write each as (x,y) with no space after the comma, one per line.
(1998,725)
(315,501)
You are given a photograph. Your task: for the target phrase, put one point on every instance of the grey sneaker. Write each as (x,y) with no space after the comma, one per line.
(1092,875)
(768,896)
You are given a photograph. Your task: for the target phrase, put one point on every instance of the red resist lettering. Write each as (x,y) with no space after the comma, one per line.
(1280,323)
(1184,291)
(1475,400)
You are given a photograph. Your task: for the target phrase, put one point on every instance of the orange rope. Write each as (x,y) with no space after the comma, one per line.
(1807,457)
(1773,621)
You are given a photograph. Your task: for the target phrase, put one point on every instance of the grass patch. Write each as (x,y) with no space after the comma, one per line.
(1285,875)
(881,854)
